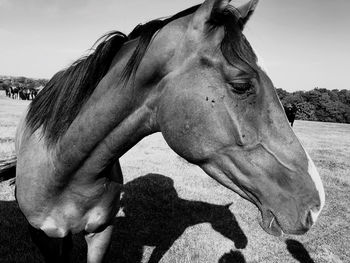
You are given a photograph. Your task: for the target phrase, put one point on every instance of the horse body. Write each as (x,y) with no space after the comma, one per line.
(15,92)
(33,93)
(291,111)
(8,91)
(225,118)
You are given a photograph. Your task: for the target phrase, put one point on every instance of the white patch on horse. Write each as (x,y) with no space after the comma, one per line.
(319,186)
(51,228)
(121,213)
(96,218)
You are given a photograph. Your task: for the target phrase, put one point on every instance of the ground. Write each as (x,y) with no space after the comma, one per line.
(175,213)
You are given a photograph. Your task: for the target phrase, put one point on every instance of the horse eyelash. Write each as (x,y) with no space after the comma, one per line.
(241,87)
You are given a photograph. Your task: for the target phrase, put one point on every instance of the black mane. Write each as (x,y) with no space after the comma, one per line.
(58,104)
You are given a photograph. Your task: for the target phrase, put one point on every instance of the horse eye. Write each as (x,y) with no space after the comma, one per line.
(241,87)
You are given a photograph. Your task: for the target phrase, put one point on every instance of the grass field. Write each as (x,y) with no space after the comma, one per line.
(176,213)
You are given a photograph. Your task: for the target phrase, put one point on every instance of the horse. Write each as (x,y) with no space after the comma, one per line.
(193,77)
(291,112)
(7,91)
(24,93)
(10,92)
(15,92)
(33,93)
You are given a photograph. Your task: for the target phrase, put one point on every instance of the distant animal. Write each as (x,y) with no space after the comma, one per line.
(24,93)
(15,92)
(193,77)
(21,95)
(291,111)
(8,91)
(33,93)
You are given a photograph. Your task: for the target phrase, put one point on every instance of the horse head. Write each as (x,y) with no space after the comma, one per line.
(218,109)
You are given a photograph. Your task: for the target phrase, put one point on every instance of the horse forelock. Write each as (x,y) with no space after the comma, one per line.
(234,46)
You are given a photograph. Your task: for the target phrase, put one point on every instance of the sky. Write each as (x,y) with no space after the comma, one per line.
(302,44)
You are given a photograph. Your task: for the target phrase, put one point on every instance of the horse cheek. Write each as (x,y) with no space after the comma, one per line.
(189,127)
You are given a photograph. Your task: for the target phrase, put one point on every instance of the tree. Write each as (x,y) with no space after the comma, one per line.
(319,104)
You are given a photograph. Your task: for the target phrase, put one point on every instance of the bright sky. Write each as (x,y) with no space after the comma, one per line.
(302,43)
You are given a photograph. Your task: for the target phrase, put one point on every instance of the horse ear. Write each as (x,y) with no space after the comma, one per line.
(204,12)
(246,11)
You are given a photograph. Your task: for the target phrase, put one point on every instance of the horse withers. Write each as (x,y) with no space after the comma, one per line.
(193,77)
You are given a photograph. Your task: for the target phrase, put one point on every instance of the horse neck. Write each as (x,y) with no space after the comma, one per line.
(114,119)
(117,116)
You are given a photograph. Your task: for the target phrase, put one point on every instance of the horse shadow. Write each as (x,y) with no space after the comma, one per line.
(15,243)
(298,251)
(232,257)
(154,216)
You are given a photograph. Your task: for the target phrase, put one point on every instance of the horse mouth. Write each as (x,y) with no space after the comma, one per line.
(270,224)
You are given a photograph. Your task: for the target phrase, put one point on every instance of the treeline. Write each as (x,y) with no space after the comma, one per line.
(21,82)
(314,105)
(319,104)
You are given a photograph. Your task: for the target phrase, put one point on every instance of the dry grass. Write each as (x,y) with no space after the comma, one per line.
(175,213)
(10,114)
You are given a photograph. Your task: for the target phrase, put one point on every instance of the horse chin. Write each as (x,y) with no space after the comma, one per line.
(269,224)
